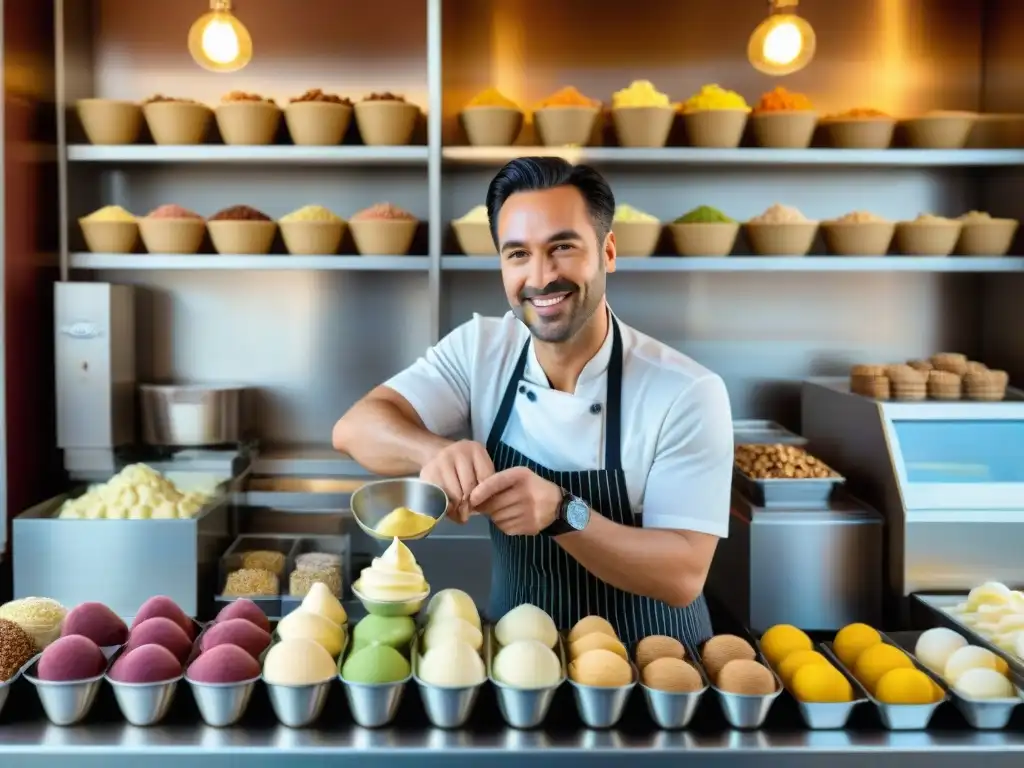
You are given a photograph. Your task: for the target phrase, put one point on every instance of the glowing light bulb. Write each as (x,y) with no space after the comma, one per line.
(218,41)
(783,43)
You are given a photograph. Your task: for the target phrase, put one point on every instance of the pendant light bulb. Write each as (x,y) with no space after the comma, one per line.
(218,41)
(783,43)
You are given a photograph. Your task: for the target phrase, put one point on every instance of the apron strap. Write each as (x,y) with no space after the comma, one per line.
(613,412)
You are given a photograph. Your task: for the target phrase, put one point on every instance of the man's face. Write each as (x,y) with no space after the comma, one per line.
(552,264)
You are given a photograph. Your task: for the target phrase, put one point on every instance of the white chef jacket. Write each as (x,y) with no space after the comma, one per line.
(677,447)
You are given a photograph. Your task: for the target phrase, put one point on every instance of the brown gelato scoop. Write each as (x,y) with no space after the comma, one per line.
(747,678)
(721,649)
(597,640)
(671,675)
(602,669)
(589,624)
(658,647)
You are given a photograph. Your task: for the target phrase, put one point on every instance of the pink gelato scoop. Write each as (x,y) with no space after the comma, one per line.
(97,622)
(72,657)
(240,632)
(161,631)
(243,608)
(161,605)
(171,211)
(224,664)
(146,664)
(383,212)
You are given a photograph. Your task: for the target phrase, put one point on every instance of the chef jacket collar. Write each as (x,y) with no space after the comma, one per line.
(596,367)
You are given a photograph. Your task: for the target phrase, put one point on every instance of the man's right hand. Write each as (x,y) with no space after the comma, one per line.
(458,468)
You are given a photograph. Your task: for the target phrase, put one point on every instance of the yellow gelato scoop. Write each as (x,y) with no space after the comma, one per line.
(402,522)
(394,576)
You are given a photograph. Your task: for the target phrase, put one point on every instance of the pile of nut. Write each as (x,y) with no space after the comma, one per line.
(780,462)
(315,94)
(159,98)
(236,96)
(386,96)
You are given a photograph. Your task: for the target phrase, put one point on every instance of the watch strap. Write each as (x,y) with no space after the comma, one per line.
(560,524)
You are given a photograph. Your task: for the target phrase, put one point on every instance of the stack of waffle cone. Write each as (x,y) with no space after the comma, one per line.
(870,381)
(986,385)
(906,383)
(944,385)
(954,362)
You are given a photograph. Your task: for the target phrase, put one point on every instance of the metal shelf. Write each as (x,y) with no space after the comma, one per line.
(248,262)
(744,156)
(222,153)
(779,264)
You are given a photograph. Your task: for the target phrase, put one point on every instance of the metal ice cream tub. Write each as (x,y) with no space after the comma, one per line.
(195,414)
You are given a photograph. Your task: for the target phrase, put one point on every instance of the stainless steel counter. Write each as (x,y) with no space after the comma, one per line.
(104,741)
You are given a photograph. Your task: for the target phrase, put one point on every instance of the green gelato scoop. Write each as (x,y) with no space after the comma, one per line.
(704,214)
(396,631)
(374,665)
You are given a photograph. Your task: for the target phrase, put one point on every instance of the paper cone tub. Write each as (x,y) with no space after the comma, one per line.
(789,129)
(927,238)
(386,237)
(636,238)
(491,126)
(248,123)
(565,126)
(858,238)
(312,238)
(939,131)
(172,235)
(1004,131)
(317,123)
(643,126)
(713,238)
(992,237)
(474,238)
(108,121)
(782,239)
(718,128)
(244,237)
(386,123)
(109,236)
(860,133)
(177,122)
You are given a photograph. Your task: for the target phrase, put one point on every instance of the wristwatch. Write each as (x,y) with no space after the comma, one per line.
(573,515)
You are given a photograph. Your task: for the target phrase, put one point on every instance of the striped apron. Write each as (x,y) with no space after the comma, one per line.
(534,569)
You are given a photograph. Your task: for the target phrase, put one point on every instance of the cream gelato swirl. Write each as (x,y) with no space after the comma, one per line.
(394,576)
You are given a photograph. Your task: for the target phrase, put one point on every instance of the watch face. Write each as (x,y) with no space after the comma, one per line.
(577,514)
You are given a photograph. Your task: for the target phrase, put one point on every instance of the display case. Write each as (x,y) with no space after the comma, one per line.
(948,477)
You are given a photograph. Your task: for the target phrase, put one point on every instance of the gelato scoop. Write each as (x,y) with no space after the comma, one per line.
(240,632)
(935,646)
(374,665)
(97,622)
(244,608)
(452,664)
(967,658)
(306,625)
(721,649)
(166,608)
(658,647)
(671,675)
(590,624)
(597,640)
(224,664)
(442,629)
(161,631)
(298,662)
(402,522)
(526,622)
(146,664)
(40,617)
(982,683)
(393,577)
(527,664)
(394,631)
(321,601)
(602,669)
(746,677)
(71,658)
(16,648)
(455,604)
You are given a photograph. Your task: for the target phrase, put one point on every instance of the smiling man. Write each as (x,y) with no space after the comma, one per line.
(603,458)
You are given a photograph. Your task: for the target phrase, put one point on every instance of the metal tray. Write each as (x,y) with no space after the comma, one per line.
(742,711)
(809,493)
(447,707)
(231,560)
(674,711)
(938,605)
(895,717)
(983,714)
(336,545)
(520,707)
(763,432)
(374,705)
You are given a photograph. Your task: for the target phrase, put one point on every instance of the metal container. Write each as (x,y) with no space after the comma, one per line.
(374,705)
(674,711)
(335,545)
(446,707)
(298,706)
(983,714)
(64,703)
(176,558)
(376,499)
(939,607)
(5,686)
(193,414)
(602,707)
(794,492)
(895,717)
(222,704)
(763,432)
(145,704)
(408,607)
(233,558)
(748,712)
(521,707)
(831,716)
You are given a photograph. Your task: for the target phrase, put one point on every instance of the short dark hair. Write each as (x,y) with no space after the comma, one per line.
(532,174)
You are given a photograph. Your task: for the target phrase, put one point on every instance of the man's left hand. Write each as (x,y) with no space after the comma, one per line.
(520,502)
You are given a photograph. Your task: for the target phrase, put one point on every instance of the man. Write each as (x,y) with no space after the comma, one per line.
(602,457)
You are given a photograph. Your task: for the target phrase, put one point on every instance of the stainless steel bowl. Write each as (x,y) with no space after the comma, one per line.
(371,502)
(193,414)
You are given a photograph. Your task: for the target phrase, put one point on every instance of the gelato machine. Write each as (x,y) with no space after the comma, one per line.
(947,476)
